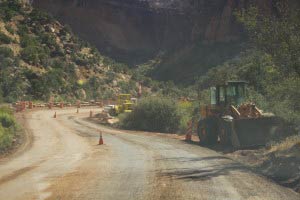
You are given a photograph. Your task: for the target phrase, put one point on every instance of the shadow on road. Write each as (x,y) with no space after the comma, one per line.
(201,173)
(185,159)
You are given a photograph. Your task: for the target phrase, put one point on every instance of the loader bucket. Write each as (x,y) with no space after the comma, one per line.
(256,131)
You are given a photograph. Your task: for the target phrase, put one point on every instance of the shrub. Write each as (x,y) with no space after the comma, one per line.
(6,52)
(22,29)
(58,64)
(7,120)
(186,110)
(8,127)
(41,17)
(6,109)
(9,9)
(153,114)
(1,96)
(28,40)
(49,40)
(9,29)
(126,87)
(4,39)
(84,60)
(110,76)
(5,138)
(34,54)
(13,84)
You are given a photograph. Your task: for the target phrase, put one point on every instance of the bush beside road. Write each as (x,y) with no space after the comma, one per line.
(8,129)
(152,114)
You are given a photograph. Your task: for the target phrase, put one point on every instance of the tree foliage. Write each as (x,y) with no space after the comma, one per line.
(271,64)
(153,114)
(276,34)
(8,128)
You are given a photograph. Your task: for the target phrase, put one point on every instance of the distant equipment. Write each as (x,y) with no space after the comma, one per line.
(124,104)
(229,120)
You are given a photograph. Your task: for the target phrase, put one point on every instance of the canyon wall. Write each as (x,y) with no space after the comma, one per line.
(195,34)
(139,28)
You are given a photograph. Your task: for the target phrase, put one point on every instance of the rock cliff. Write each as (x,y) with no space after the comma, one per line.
(132,27)
(136,30)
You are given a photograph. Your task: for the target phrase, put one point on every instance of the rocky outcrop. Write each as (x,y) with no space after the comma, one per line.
(128,29)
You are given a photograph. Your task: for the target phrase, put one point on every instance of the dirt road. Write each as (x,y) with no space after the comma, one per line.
(65,162)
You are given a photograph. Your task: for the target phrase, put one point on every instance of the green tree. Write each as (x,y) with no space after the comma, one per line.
(275,34)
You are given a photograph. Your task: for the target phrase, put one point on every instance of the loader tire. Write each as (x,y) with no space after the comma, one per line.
(113,112)
(208,131)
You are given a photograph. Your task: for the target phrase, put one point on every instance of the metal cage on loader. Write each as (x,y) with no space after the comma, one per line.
(229,120)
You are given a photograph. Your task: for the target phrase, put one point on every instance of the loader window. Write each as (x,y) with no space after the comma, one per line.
(222,94)
(241,94)
(241,91)
(213,95)
(231,91)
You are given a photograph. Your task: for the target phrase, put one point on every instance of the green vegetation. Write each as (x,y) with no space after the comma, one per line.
(153,114)
(181,65)
(9,29)
(52,61)
(187,111)
(8,128)
(9,9)
(4,39)
(271,64)
(160,114)
(6,52)
(34,55)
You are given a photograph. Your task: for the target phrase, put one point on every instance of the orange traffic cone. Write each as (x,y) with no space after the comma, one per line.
(30,106)
(54,115)
(188,137)
(91,114)
(101,139)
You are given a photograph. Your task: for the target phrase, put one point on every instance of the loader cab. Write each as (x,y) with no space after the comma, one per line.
(124,104)
(123,98)
(231,93)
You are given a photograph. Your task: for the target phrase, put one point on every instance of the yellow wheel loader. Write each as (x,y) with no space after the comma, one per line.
(124,104)
(229,120)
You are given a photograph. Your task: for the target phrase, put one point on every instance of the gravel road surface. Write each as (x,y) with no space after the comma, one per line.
(63,161)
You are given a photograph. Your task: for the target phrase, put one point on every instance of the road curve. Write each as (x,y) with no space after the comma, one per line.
(65,162)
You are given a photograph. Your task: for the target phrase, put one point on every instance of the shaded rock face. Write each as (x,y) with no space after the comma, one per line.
(134,30)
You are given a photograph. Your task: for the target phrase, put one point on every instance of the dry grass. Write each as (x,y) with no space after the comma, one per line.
(286,144)
(85,51)
(3,29)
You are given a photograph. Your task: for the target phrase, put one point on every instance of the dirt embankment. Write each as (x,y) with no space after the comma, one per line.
(280,162)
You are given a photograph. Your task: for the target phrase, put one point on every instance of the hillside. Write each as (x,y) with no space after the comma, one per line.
(135,31)
(42,59)
(188,36)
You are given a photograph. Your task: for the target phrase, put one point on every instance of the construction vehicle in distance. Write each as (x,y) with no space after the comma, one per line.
(124,104)
(229,120)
